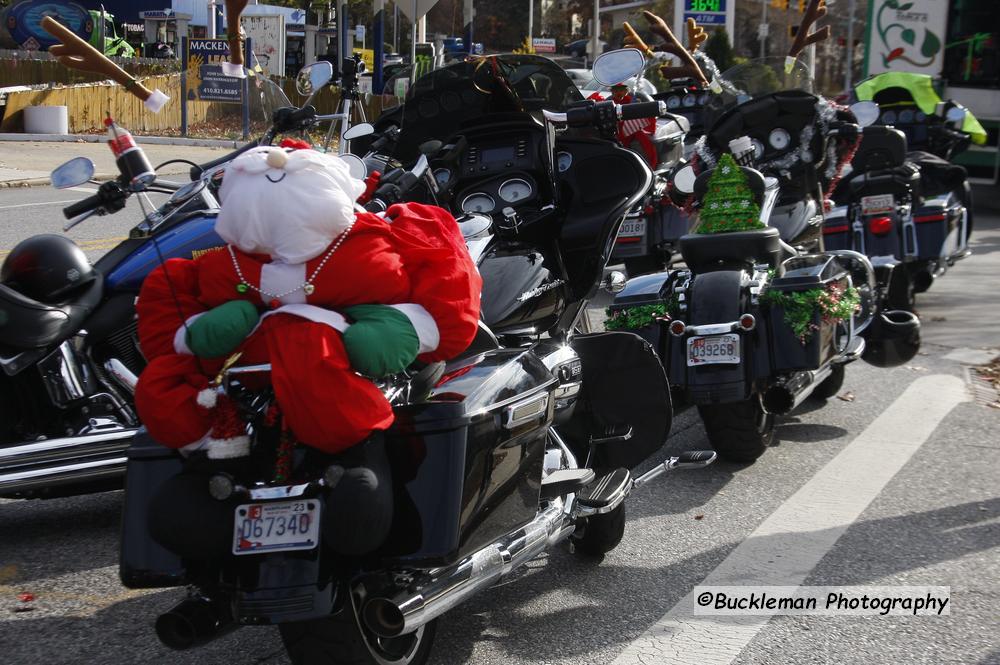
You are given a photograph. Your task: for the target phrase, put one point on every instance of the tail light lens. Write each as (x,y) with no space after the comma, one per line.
(880,226)
(748,322)
(677,328)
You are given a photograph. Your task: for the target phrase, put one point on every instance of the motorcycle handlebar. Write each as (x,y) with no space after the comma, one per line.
(641,110)
(110,195)
(602,114)
(196,171)
(82,206)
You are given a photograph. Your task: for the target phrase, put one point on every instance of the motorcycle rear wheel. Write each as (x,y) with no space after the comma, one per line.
(738,431)
(340,640)
(601,533)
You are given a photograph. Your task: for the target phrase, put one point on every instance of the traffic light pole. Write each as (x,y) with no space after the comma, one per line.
(849,69)
(762,32)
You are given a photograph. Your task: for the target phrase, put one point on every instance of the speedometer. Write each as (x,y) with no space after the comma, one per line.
(779,138)
(515,190)
(690,100)
(478,202)
(442,176)
(673,102)
(565,160)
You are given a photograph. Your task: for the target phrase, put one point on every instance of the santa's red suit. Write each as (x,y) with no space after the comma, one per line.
(639,130)
(300,253)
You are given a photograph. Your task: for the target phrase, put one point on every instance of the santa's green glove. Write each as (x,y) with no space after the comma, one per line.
(218,332)
(381,340)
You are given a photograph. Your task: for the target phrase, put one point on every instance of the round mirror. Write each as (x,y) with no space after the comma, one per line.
(359,130)
(865,112)
(955,114)
(74,172)
(356,165)
(616,66)
(684,180)
(310,79)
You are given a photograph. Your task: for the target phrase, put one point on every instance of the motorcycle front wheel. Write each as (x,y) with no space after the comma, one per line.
(340,640)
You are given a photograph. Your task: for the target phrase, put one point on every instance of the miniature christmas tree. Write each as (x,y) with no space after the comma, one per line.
(729,204)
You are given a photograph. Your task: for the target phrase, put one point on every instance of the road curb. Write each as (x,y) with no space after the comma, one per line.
(100,138)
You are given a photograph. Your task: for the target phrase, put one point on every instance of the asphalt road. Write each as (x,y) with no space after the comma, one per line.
(894,483)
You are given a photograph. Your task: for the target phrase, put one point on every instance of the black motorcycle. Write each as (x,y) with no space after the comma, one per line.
(522,442)
(760,319)
(903,201)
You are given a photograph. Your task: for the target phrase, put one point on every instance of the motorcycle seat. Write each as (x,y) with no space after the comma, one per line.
(937,176)
(726,251)
(26,323)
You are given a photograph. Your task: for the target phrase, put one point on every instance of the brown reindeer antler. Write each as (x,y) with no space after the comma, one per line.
(671,45)
(803,38)
(696,35)
(234,8)
(75,53)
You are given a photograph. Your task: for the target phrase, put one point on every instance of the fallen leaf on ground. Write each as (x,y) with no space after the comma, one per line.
(939,318)
(23,609)
(916,368)
(26,597)
(698,517)
(846,397)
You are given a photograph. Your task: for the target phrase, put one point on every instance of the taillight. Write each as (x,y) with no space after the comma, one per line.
(748,322)
(880,226)
(677,328)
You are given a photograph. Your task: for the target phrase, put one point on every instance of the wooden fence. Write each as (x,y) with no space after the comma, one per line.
(29,68)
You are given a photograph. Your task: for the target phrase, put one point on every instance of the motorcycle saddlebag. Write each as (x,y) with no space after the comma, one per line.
(932,224)
(143,562)
(467,461)
(837,229)
(623,385)
(805,273)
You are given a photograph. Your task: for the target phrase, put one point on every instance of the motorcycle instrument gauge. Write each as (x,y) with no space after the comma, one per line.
(478,202)
(779,138)
(673,102)
(515,190)
(758,148)
(442,176)
(920,116)
(690,100)
(906,117)
(564,160)
(703,99)
(889,117)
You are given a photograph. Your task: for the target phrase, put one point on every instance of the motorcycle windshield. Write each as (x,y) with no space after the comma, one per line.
(215,100)
(756,78)
(439,103)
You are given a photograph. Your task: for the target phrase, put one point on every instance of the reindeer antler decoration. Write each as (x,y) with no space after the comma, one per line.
(75,53)
(803,38)
(696,35)
(234,8)
(671,45)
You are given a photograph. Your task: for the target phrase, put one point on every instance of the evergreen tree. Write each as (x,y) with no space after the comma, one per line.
(729,204)
(720,50)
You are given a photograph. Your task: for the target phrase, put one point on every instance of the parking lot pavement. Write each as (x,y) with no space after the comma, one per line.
(893,482)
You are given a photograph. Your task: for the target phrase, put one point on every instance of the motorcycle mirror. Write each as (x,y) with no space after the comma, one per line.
(955,114)
(74,172)
(614,282)
(865,112)
(616,66)
(684,180)
(355,165)
(313,77)
(431,147)
(359,130)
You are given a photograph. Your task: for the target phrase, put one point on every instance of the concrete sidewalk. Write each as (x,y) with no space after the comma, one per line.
(28,163)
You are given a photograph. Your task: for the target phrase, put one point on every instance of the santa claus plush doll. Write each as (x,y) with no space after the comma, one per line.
(325,294)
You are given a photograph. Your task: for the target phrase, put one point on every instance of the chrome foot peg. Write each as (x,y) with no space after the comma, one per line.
(692,459)
(564,481)
(612,434)
(605,493)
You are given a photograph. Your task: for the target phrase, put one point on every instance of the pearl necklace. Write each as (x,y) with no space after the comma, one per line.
(306,287)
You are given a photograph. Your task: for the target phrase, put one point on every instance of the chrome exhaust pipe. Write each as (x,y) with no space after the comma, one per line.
(792,391)
(122,375)
(194,621)
(452,585)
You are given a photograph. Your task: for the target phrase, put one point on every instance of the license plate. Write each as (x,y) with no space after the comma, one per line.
(634,227)
(879,203)
(714,350)
(276,527)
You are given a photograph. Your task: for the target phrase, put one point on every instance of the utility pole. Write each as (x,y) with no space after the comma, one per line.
(531,21)
(849,69)
(763,30)
(595,39)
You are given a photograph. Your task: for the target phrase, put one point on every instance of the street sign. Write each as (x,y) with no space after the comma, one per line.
(422,6)
(359,33)
(204,60)
(543,45)
(762,30)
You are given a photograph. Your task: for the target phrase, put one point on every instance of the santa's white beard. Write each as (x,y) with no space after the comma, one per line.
(292,220)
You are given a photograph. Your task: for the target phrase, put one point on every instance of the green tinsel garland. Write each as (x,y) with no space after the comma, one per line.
(833,304)
(729,204)
(633,318)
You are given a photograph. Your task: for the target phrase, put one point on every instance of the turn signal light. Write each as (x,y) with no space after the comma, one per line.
(748,322)
(880,226)
(677,328)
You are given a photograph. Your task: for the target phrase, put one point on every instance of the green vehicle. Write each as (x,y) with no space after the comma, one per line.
(113,44)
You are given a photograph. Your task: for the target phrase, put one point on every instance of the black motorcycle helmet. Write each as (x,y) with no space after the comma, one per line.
(47,268)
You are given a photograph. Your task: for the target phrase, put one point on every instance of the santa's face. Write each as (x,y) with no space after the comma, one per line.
(288,205)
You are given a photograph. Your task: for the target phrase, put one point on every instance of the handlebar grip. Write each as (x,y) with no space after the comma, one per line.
(640,110)
(82,206)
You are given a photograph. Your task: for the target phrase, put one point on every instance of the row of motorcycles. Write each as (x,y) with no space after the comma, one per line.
(531,437)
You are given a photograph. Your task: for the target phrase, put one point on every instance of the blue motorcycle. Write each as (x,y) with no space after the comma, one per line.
(68,343)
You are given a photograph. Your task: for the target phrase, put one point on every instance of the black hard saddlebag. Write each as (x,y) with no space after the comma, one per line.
(624,386)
